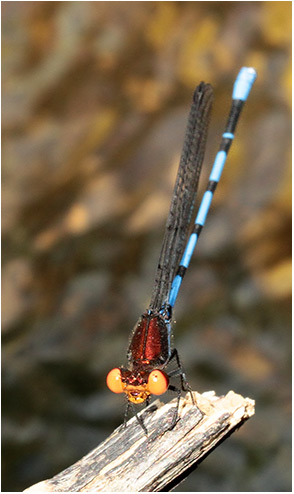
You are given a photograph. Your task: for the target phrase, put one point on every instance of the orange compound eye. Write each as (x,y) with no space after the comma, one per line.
(157,382)
(113,381)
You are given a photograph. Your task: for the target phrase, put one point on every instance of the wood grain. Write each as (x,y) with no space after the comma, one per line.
(130,461)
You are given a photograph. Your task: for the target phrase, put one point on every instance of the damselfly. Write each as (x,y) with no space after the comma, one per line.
(150,350)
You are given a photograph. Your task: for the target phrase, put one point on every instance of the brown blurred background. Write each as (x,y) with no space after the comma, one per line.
(95,98)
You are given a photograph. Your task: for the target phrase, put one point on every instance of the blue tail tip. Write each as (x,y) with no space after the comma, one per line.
(248,73)
(244,82)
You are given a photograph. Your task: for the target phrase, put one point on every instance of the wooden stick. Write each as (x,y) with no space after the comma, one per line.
(128,461)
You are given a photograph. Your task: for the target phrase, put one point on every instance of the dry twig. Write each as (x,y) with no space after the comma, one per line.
(128,461)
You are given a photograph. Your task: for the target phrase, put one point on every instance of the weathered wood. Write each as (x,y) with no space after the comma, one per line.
(128,461)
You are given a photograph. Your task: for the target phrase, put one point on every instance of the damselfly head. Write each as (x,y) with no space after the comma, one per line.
(137,385)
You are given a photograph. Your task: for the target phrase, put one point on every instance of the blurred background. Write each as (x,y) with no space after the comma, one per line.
(95,97)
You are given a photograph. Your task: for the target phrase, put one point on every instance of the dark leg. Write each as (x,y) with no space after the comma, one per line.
(139,419)
(176,412)
(180,372)
(126,413)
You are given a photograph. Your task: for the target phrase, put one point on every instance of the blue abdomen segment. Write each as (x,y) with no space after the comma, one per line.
(189,250)
(204,208)
(244,82)
(175,290)
(218,165)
